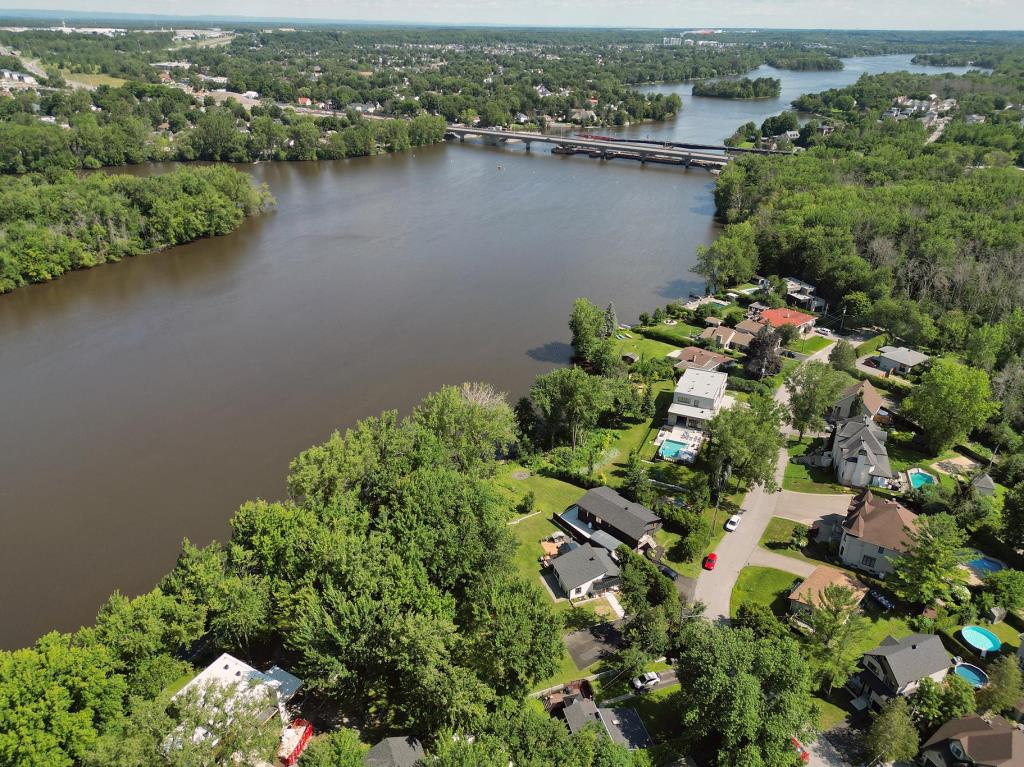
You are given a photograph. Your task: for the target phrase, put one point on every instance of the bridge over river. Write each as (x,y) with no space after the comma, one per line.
(603,147)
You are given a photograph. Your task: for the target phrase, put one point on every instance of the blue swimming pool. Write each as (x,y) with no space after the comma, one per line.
(981,565)
(919,478)
(675,451)
(972,674)
(981,639)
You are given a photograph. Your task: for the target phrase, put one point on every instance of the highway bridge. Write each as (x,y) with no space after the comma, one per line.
(603,148)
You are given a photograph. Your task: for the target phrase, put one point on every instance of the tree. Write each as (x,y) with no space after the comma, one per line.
(731,259)
(837,626)
(751,693)
(763,354)
(340,748)
(813,388)
(644,319)
(1007,588)
(951,401)
(1013,515)
(1004,686)
(611,321)
(570,399)
(892,735)
(843,357)
(636,486)
(931,567)
(588,325)
(760,619)
(745,442)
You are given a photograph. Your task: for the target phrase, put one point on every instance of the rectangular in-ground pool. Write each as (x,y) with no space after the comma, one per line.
(675,451)
(918,478)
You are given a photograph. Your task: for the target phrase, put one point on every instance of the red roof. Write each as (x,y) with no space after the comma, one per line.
(779,317)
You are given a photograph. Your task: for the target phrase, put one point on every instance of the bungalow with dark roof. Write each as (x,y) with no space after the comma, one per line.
(395,752)
(727,338)
(875,533)
(896,667)
(622,725)
(749,326)
(975,741)
(584,570)
(777,318)
(603,509)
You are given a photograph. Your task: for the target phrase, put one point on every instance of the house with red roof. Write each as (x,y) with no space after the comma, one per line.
(803,322)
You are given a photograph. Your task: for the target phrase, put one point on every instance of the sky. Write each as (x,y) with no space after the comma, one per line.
(684,14)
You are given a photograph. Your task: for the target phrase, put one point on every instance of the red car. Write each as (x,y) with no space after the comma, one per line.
(710,561)
(802,752)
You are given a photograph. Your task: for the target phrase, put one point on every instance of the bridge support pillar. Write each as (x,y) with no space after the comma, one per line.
(528,145)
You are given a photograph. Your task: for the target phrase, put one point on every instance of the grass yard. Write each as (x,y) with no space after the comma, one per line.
(810,345)
(1006,633)
(830,714)
(776,539)
(680,332)
(639,437)
(659,712)
(871,345)
(565,672)
(91,80)
(809,479)
(179,683)
(645,347)
(763,585)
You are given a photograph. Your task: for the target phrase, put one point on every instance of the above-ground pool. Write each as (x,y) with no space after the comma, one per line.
(972,674)
(918,477)
(981,565)
(981,639)
(675,451)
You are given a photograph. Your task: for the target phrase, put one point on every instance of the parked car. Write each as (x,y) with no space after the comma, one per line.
(803,753)
(732,523)
(824,331)
(669,572)
(710,561)
(646,681)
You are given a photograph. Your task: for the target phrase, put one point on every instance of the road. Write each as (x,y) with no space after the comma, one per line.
(714,588)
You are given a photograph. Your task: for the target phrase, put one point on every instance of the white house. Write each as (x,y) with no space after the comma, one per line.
(584,569)
(698,397)
(858,453)
(899,358)
(874,533)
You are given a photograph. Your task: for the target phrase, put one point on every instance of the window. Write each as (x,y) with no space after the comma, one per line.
(881,550)
(868,561)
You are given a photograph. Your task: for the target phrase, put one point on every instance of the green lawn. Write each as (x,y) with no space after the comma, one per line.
(668,538)
(776,538)
(645,347)
(659,712)
(810,345)
(763,585)
(639,437)
(830,714)
(178,683)
(566,672)
(809,479)
(680,331)
(871,345)
(80,78)
(1006,633)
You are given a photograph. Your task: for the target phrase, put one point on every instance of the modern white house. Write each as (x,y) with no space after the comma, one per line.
(699,396)
(899,359)
(858,453)
(874,533)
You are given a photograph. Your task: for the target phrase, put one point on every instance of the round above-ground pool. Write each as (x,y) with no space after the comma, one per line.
(982,565)
(981,639)
(972,674)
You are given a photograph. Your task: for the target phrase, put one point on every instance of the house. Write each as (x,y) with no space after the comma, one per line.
(984,484)
(751,326)
(976,742)
(622,725)
(603,509)
(395,752)
(859,399)
(874,533)
(802,293)
(584,570)
(713,322)
(630,358)
(727,338)
(304,101)
(899,358)
(697,399)
(755,309)
(521,119)
(896,667)
(804,599)
(804,323)
(695,358)
(858,453)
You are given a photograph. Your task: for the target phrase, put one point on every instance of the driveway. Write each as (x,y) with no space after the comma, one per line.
(714,588)
(764,558)
(588,646)
(808,508)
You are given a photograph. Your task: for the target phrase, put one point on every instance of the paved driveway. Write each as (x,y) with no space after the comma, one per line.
(808,508)
(764,558)
(588,646)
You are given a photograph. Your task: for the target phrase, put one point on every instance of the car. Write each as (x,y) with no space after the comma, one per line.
(732,522)
(646,680)
(803,753)
(669,572)
(824,331)
(710,561)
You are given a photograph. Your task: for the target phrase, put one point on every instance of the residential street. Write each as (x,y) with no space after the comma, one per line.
(714,588)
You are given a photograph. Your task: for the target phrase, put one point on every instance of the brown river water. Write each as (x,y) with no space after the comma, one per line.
(144,401)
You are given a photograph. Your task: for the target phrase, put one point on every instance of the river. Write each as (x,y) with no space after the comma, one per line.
(145,400)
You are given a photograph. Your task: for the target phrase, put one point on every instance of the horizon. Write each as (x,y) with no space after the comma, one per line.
(754,15)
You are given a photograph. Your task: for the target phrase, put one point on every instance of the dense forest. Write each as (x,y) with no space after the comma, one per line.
(743,88)
(53,224)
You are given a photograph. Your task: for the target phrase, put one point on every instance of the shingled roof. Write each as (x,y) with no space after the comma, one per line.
(618,513)
(869,396)
(913,658)
(881,521)
(992,741)
(860,433)
(582,565)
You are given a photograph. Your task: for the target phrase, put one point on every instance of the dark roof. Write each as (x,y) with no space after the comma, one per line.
(913,657)
(861,433)
(579,713)
(625,726)
(618,513)
(992,742)
(582,565)
(881,521)
(395,752)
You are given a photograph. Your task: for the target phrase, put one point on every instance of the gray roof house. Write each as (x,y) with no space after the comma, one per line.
(623,725)
(395,752)
(581,569)
(899,358)
(858,453)
(605,509)
(896,667)
(984,484)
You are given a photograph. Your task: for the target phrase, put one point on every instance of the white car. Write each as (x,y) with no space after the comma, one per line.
(732,523)
(646,680)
